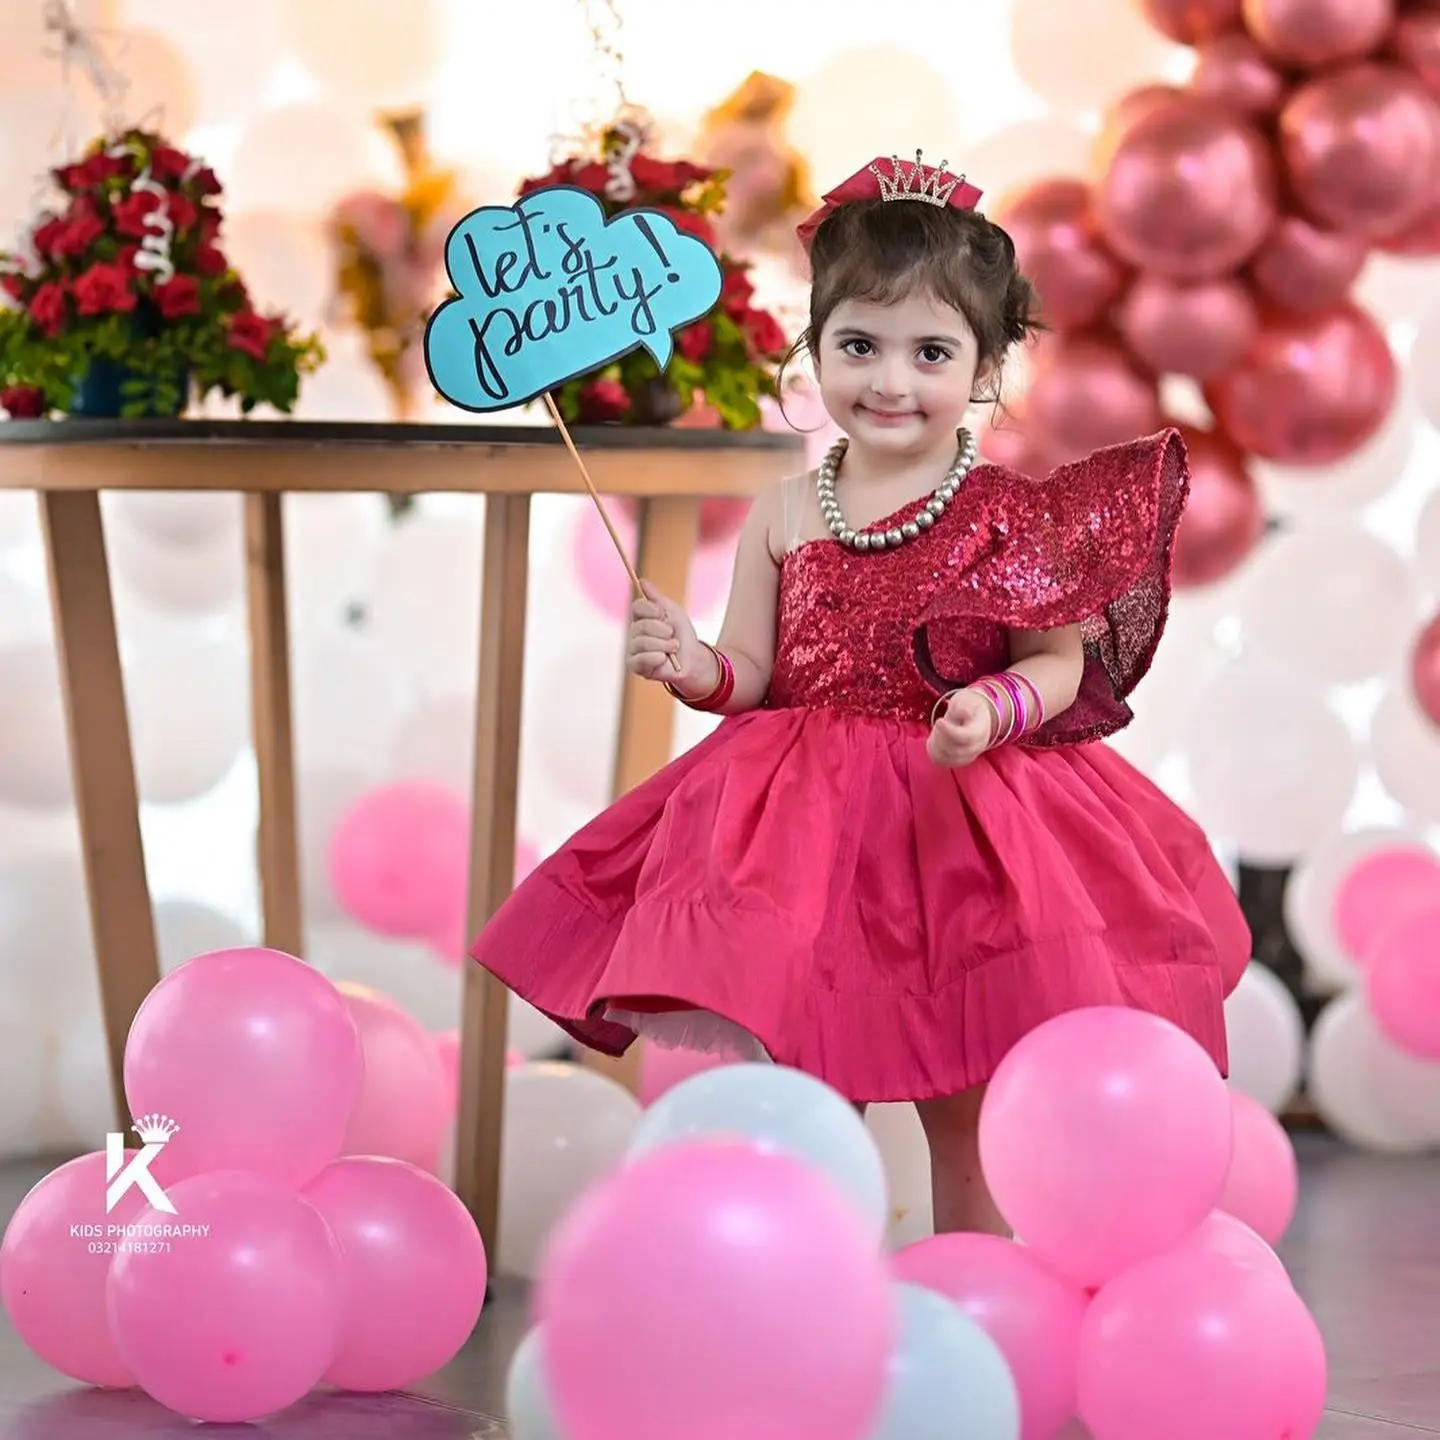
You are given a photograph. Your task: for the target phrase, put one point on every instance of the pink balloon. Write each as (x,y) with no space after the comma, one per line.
(239,1317)
(1425,670)
(598,568)
(404,1101)
(400,859)
(52,1280)
(713,1291)
(1026,1309)
(254,1055)
(1402,983)
(1380,889)
(1223,1234)
(662,1068)
(1106,1137)
(1263,1185)
(1196,328)
(447,1048)
(414,1271)
(1193,1346)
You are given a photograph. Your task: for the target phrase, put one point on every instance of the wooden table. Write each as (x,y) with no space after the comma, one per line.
(70,462)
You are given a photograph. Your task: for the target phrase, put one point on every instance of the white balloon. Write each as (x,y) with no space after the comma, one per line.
(1427,543)
(194,578)
(414,977)
(535,1035)
(436,741)
(528,1406)
(331,546)
(47,954)
(1310,898)
(905,1153)
(1406,1088)
(23,1127)
(1343,1047)
(1271,766)
(83,1100)
(185,929)
(948,1379)
(778,1109)
(347,699)
(571,745)
(1424,368)
(1405,747)
(1266,1036)
(324,794)
(564,1129)
(34,749)
(19,519)
(1352,625)
(178,518)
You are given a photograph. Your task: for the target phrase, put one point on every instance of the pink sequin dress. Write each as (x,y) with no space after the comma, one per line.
(806,877)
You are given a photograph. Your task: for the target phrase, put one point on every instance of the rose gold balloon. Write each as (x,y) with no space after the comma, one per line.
(1124,115)
(1190,191)
(1057,241)
(1223,518)
(1192,22)
(1362,147)
(1235,71)
(1415,42)
(1303,268)
(1310,33)
(1187,328)
(1310,390)
(1425,670)
(1419,238)
(1089,393)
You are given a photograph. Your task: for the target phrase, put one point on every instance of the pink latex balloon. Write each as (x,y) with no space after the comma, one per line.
(1106,1137)
(1223,1234)
(1026,1309)
(607,586)
(447,1047)
(1192,1346)
(1425,670)
(1263,1185)
(1379,889)
(1309,34)
(1303,267)
(1224,520)
(1235,71)
(1088,393)
(714,1291)
(403,1102)
(52,1280)
(1402,983)
(400,859)
(414,1271)
(239,1318)
(1197,328)
(1191,22)
(662,1068)
(1416,43)
(254,1055)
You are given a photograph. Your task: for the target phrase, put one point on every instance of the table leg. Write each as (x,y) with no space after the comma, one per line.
(492,853)
(279,850)
(103,768)
(669,530)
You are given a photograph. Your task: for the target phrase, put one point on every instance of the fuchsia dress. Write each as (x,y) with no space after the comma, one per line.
(806,876)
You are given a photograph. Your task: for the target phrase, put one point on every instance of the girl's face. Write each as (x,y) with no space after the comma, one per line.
(897,378)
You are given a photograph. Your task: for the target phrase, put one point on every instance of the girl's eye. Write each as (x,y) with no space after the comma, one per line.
(858,348)
(934,354)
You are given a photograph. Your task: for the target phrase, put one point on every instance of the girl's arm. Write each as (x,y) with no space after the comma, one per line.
(1053,661)
(748,634)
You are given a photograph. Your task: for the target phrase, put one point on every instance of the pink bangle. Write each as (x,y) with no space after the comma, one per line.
(1003,704)
(1036,696)
(719,697)
(1018,704)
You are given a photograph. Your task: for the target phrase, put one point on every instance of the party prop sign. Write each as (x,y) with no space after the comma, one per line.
(548,290)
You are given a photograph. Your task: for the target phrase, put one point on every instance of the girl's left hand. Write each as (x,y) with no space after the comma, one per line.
(962,731)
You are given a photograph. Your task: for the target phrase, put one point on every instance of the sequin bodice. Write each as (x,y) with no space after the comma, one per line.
(882,634)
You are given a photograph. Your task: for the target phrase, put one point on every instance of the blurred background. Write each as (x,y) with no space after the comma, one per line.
(1234,218)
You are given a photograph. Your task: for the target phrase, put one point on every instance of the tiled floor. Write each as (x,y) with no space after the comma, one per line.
(1364,1251)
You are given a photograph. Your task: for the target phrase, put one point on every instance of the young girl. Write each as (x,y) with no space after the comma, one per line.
(902,850)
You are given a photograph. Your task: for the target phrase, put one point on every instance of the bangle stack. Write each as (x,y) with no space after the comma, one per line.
(1018,705)
(719,697)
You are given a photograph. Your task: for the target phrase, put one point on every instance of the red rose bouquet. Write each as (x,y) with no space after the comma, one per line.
(729,358)
(129,277)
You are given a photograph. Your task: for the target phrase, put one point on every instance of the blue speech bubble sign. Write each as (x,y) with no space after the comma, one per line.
(548,289)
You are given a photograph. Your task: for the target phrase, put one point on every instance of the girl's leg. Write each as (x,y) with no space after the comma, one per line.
(962,1199)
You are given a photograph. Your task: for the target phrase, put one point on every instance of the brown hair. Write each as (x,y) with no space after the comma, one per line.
(879,251)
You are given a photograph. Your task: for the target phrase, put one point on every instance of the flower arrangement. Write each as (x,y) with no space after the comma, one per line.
(127,282)
(729,359)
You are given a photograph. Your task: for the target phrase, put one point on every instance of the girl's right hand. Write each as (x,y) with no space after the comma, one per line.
(659,628)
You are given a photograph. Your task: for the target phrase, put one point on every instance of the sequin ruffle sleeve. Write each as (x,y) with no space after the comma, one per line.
(1091,545)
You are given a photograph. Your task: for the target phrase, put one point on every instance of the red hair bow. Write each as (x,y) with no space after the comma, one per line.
(891,178)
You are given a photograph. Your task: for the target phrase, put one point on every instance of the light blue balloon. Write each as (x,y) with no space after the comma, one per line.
(527,1395)
(778,1109)
(548,289)
(948,1378)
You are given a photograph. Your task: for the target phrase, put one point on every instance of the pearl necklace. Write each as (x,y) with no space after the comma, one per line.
(912,529)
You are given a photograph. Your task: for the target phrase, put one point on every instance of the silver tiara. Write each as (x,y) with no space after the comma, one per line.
(915,182)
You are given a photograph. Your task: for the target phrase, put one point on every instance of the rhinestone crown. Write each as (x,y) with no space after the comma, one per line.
(915,182)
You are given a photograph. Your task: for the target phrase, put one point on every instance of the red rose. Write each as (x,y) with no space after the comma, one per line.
(167,163)
(736,292)
(80,229)
(603,400)
(653,174)
(14,285)
(132,212)
(763,332)
(182,211)
(204,182)
(591,176)
(92,172)
(694,341)
(47,308)
(23,402)
(105,289)
(251,333)
(210,261)
(210,222)
(46,233)
(688,222)
(178,296)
